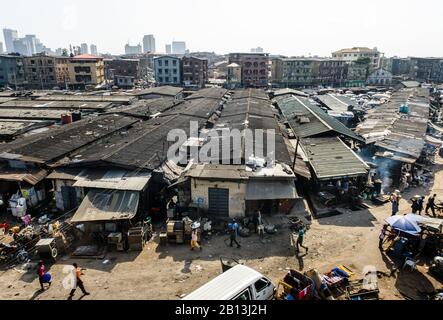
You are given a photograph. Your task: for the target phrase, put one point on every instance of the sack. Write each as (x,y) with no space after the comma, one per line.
(46,277)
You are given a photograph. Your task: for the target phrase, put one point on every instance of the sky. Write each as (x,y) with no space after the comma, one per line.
(288,27)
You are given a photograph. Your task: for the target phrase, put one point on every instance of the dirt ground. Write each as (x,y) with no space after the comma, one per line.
(171,271)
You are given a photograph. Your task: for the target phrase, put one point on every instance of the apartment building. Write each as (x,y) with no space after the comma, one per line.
(255,68)
(167,70)
(195,72)
(12,73)
(86,70)
(356,53)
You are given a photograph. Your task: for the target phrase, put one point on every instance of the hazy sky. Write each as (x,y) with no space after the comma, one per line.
(289,27)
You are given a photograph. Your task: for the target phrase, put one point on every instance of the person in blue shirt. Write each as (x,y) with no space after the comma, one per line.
(233,233)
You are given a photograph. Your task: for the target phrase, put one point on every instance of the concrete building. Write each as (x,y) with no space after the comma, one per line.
(257,50)
(195,71)
(355,53)
(32,43)
(1,48)
(21,47)
(356,74)
(86,70)
(400,66)
(167,70)
(426,69)
(255,68)
(234,76)
(294,72)
(10,35)
(168,49)
(62,71)
(94,50)
(178,47)
(332,72)
(84,48)
(148,43)
(40,71)
(380,77)
(133,49)
(12,73)
(124,72)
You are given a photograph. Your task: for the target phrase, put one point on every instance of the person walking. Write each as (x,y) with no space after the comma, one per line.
(41,272)
(421,203)
(395,198)
(431,205)
(233,233)
(300,239)
(79,283)
(256,219)
(415,205)
(382,236)
(194,240)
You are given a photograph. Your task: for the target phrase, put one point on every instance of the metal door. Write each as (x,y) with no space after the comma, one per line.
(69,197)
(219,202)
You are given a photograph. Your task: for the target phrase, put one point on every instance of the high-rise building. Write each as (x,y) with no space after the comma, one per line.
(31,41)
(94,51)
(20,45)
(148,43)
(1,47)
(133,49)
(178,47)
(257,50)
(84,48)
(168,49)
(10,35)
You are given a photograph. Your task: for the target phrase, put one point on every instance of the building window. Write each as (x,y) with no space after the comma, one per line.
(174,63)
(174,71)
(160,79)
(175,80)
(159,62)
(166,79)
(166,62)
(160,71)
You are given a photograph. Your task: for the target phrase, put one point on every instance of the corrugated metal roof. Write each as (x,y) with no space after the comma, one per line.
(270,190)
(164,91)
(32,177)
(309,120)
(107,205)
(55,144)
(67,105)
(112,179)
(330,158)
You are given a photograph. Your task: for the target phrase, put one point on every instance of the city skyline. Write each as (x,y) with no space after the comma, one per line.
(286,30)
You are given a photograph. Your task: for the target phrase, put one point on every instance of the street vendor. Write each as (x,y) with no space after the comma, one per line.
(395,199)
(382,237)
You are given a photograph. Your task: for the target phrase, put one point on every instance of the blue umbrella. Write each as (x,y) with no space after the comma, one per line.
(404,223)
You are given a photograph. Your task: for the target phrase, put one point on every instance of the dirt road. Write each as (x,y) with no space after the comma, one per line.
(172,271)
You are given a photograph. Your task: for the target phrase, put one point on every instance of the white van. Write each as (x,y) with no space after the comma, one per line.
(238,283)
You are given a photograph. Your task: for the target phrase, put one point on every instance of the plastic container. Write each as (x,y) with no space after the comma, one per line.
(66,118)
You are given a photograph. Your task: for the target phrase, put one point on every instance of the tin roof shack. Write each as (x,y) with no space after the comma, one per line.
(395,134)
(160,92)
(341,107)
(243,182)
(109,201)
(41,151)
(331,173)
(235,191)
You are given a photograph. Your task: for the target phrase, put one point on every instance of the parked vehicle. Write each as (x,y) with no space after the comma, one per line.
(238,283)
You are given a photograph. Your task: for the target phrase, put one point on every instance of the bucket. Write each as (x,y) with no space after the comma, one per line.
(66,118)
(76,116)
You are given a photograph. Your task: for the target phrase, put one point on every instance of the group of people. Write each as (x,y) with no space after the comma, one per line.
(45,278)
(418,203)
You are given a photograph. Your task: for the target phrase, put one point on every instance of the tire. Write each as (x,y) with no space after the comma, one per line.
(54,253)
